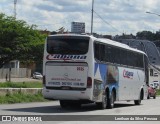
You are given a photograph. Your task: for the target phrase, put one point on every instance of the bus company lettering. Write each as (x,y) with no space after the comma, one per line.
(80,68)
(65,57)
(127,74)
(66,79)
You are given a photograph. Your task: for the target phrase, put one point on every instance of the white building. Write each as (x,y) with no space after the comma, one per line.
(78,27)
(154,78)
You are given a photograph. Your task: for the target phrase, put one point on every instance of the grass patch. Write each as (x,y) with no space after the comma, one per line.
(158,92)
(21,85)
(21,98)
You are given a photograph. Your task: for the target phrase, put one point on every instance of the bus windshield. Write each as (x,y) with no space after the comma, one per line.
(67,45)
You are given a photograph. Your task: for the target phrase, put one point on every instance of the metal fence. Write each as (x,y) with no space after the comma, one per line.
(15,73)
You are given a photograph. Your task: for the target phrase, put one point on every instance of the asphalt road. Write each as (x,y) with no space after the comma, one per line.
(148,107)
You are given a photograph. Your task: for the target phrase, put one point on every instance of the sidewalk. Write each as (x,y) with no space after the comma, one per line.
(21,80)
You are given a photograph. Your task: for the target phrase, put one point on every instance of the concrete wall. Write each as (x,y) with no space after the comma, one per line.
(4,91)
(15,73)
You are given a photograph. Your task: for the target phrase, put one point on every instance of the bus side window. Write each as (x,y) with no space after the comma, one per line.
(134,60)
(99,51)
(118,59)
(108,53)
(102,52)
(129,59)
(114,55)
(123,57)
(96,51)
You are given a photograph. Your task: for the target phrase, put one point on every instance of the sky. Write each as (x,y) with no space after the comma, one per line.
(111,17)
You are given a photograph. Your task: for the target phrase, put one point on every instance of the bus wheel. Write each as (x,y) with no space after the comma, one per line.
(104,101)
(103,104)
(110,103)
(154,97)
(63,103)
(148,97)
(75,104)
(138,102)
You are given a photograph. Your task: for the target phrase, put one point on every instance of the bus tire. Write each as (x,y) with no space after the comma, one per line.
(148,97)
(154,97)
(75,104)
(111,100)
(103,104)
(104,101)
(63,103)
(138,102)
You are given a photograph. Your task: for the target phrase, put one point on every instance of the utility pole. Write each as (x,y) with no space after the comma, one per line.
(15,13)
(92,17)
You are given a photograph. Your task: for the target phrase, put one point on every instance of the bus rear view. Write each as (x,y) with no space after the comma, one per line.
(65,69)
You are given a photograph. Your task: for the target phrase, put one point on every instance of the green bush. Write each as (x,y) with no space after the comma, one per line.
(158,92)
(21,97)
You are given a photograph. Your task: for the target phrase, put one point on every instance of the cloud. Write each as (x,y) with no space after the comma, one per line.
(121,15)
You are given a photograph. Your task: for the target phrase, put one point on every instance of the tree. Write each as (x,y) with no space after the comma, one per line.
(146,35)
(19,41)
(157,35)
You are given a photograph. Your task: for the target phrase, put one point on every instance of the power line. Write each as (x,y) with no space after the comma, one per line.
(106,21)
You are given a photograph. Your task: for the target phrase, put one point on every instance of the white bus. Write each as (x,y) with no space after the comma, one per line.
(82,69)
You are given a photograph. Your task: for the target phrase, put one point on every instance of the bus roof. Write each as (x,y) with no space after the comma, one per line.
(80,35)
